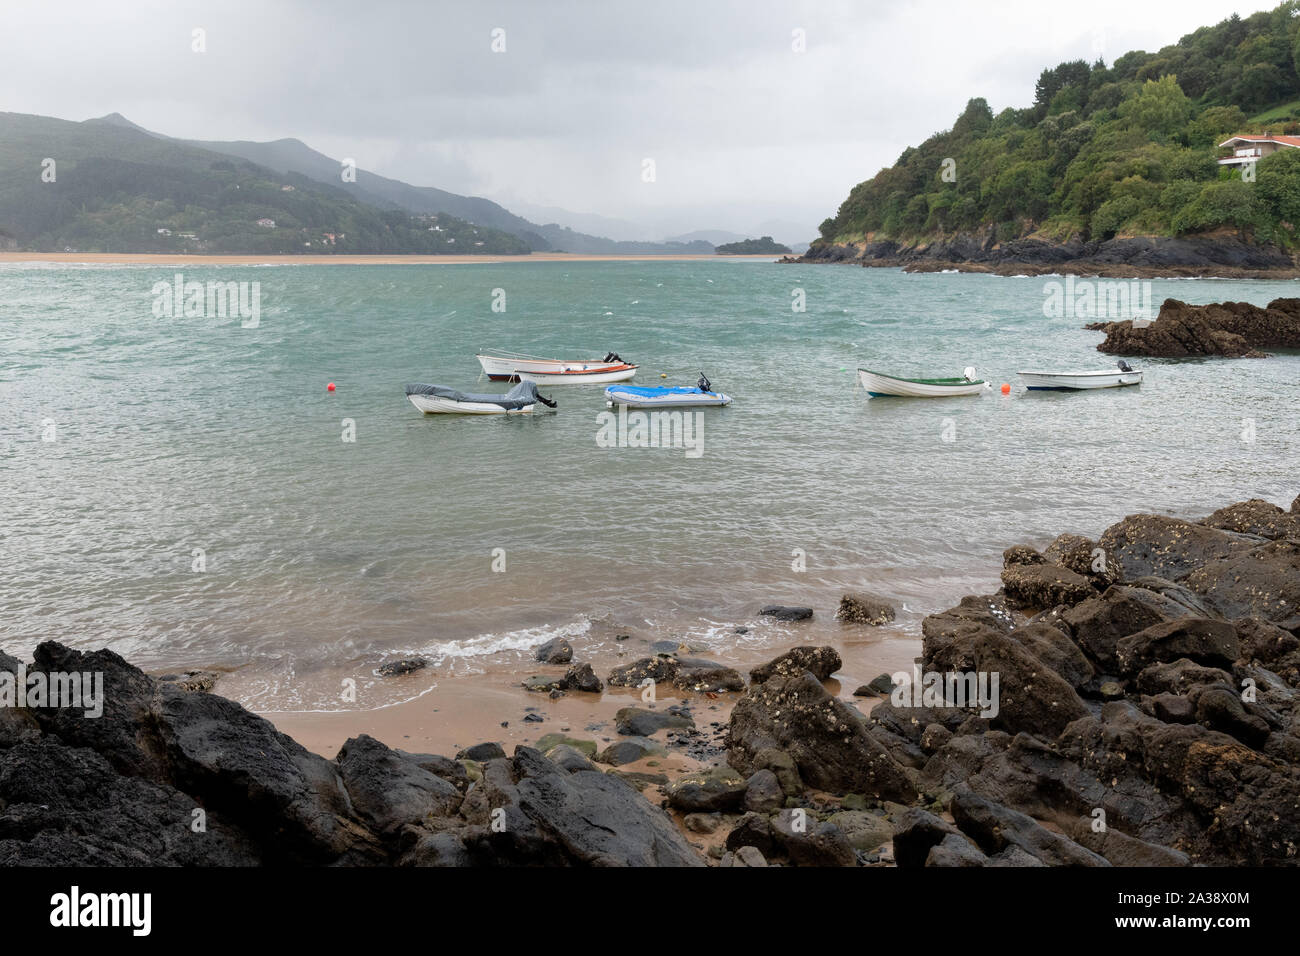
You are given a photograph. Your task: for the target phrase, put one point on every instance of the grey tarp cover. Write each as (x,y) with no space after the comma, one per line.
(523,394)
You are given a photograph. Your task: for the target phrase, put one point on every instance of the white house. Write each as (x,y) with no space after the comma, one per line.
(1247,149)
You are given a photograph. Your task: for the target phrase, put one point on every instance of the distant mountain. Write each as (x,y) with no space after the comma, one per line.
(292,155)
(114,187)
(714,237)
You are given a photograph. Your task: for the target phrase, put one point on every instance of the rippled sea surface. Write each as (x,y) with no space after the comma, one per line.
(185,440)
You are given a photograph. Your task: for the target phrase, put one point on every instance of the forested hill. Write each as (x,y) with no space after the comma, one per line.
(1104,152)
(102,186)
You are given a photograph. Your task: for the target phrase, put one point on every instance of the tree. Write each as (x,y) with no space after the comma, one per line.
(1160,107)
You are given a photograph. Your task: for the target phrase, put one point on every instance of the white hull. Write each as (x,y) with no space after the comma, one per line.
(614,396)
(502,368)
(1078,381)
(435,405)
(887,386)
(579,377)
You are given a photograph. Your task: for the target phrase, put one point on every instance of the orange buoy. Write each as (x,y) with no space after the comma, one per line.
(1006,389)
(329,387)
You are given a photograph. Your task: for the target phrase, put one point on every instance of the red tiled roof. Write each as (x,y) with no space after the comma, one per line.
(1250,138)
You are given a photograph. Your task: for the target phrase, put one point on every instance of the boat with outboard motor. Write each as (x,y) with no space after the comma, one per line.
(1120,376)
(662,396)
(500,366)
(439,399)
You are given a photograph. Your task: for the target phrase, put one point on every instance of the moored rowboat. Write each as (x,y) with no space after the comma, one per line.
(1078,381)
(439,399)
(637,396)
(879,385)
(600,375)
(508,366)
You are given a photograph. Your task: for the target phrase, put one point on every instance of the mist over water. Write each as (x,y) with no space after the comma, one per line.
(196,433)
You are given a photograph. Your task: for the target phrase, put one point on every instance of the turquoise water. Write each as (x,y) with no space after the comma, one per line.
(177,434)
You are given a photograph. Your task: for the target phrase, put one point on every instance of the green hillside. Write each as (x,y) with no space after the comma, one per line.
(117,188)
(1129,149)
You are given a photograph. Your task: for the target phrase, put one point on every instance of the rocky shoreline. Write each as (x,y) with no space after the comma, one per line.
(1144,711)
(1229,329)
(1225,257)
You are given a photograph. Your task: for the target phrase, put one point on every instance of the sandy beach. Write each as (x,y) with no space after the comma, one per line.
(151,259)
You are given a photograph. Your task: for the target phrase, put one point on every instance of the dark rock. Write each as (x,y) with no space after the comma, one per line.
(781,612)
(555,651)
(821,662)
(1255,517)
(638,722)
(597,819)
(709,791)
(1170,708)
(763,793)
(660,670)
(827,739)
(702,822)
(1051,646)
(1220,709)
(390,791)
(995,827)
(861,608)
(810,843)
(916,833)
(1030,696)
(1120,849)
(581,677)
(1044,585)
(482,752)
(1262,583)
(570,759)
(397,668)
(955,850)
(547,742)
(753,829)
(880,686)
(627,751)
(1167,547)
(1099,624)
(1205,641)
(1021,555)
(711,679)
(973,614)
(1229,329)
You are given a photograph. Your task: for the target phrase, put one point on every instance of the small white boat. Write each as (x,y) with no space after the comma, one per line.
(511,366)
(580,376)
(663,396)
(1078,381)
(438,399)
(879,385)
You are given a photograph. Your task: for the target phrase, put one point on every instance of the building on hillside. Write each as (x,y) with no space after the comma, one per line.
(286,189)
(1249,148)
(164,232)
(266,223)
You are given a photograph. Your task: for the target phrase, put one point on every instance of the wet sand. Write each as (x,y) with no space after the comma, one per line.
(444,713)
(159,259)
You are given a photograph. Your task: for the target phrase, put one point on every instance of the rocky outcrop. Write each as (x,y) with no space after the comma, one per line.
(1139,257)
(1229,329)
(826,739)
(171,776)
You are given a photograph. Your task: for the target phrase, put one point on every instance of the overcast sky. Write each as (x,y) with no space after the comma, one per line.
(743,130)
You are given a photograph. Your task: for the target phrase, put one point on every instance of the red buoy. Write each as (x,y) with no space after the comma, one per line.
(329,387)
(1006,389)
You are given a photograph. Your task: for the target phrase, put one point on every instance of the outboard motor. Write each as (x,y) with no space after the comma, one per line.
(1124,366)
(613,357)
(546,401)
(704,385)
